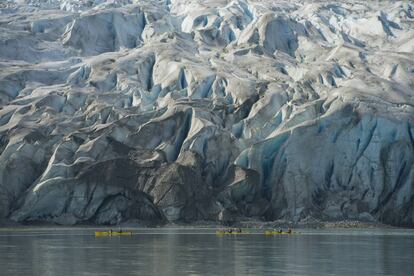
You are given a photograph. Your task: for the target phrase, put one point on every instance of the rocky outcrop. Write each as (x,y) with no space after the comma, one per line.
(157,111)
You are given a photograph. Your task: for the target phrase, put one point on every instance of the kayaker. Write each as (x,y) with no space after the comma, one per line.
(289,231)
(280,231)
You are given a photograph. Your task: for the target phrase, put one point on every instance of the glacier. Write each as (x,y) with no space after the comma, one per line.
(114,111)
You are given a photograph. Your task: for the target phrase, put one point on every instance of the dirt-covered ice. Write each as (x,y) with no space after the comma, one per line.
(186,110)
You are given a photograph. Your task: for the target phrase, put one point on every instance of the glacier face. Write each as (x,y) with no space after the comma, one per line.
(185,110)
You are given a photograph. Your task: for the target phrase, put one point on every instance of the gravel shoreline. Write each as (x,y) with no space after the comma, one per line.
(315,224)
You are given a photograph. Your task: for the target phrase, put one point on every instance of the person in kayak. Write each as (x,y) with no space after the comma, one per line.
(280,231)
(289,231)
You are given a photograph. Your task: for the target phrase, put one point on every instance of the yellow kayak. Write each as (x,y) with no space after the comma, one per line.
(277,233)
(112,234)
(222,233)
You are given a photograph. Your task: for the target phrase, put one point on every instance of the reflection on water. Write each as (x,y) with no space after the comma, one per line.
(184,252)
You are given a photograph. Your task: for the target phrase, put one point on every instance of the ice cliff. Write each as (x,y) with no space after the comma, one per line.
(186,110)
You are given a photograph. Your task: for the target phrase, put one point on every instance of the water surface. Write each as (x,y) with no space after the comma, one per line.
(200,252)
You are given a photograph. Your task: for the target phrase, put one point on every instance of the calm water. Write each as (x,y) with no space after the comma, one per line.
(200,252)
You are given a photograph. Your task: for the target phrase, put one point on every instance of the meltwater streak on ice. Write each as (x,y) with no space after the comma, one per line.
(185,252)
